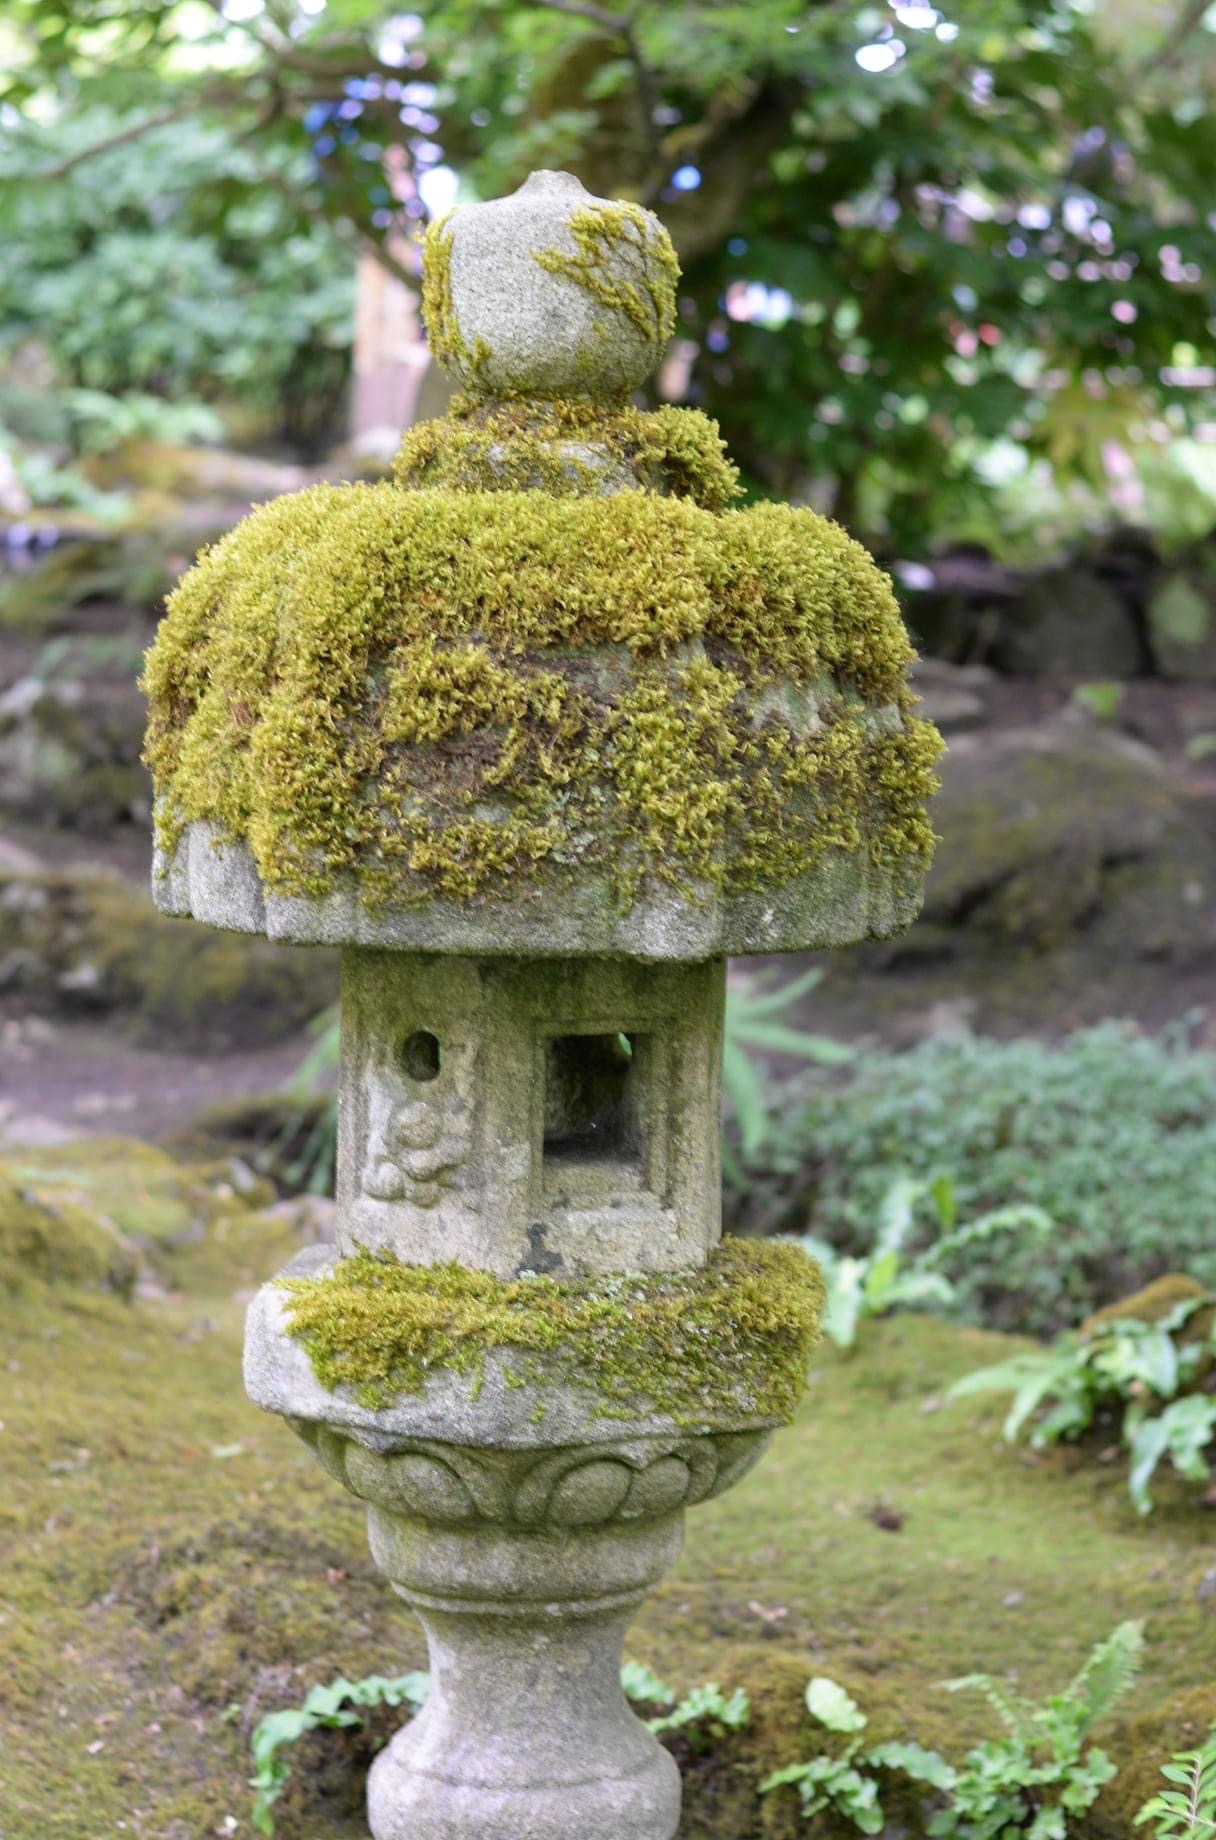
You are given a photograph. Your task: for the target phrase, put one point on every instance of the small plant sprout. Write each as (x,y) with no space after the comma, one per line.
(1029,1782)
(642,1684)
(325,1707)
(705,1714)
(842,1782)
(1188,1807)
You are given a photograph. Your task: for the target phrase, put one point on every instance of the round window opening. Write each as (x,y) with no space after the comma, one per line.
(420,1056)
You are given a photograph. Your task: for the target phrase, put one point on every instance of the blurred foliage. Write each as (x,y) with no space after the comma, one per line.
(908,231)
(1111,1134)
(146,284)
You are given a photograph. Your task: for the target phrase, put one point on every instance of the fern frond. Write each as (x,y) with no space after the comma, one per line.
(1190,1807)
(1015,1713)
(1109,1672)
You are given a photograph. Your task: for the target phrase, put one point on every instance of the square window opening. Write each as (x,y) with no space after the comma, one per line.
(593,1114)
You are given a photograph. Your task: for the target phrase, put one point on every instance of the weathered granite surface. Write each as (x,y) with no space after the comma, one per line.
(523,1116)
(544,335)
(846,899)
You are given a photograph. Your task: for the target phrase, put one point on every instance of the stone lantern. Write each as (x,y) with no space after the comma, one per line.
(538,732)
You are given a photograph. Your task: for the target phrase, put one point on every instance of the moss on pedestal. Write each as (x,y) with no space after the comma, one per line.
(455,692)
(734,1338)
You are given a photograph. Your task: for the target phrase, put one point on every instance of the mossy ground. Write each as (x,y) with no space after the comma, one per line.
(176,1564)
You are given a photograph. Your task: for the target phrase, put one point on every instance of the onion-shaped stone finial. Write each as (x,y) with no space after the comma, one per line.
(550,293)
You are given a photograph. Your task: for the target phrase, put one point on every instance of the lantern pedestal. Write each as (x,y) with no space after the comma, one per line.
(524,1528)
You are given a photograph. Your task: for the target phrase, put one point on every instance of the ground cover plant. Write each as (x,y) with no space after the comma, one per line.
(1112,1134)
(1151,1376)
(704,1714)
(888,1277)
(1188,1806)
(1032,1781)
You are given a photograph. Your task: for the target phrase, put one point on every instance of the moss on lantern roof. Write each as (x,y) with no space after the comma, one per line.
(735,1337)
(569,448)
(457,692)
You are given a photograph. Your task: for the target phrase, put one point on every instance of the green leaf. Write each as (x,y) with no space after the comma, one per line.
(832,1706)
(641,1683)
(795,1042)
(1149,1442)
(914,1760)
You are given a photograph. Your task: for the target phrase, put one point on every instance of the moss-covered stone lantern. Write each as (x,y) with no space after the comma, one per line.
(538,732)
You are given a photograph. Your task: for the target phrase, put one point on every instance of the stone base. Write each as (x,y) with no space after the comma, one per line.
(526,1734)
(406,1804)
(524,1544)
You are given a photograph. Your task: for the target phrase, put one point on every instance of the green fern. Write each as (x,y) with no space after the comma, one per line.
(1015,1713)
(1190,1806)
(1109,1672)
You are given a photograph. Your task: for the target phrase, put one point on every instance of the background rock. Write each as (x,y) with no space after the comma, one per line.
(90,943)
(1182,617)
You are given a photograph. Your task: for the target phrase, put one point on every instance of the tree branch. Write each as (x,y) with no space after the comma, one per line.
(620,25)
(1167,52)
(133,131)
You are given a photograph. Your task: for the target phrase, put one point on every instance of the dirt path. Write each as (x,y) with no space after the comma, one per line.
(82,1077)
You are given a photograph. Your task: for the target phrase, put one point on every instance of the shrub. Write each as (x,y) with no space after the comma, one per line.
(1111,1134)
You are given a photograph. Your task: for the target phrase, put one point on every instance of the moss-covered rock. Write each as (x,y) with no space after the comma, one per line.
(69,751)
(50,1232)
(1181,616)
(1149,1304)
(108,1210)
(94,944)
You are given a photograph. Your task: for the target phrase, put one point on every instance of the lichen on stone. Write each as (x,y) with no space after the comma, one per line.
(610,238)
(464,692)
(733,1338)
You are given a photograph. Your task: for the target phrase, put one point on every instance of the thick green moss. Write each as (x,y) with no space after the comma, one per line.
(519,447)
(735,1337)
(50,1234)
(399,685)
